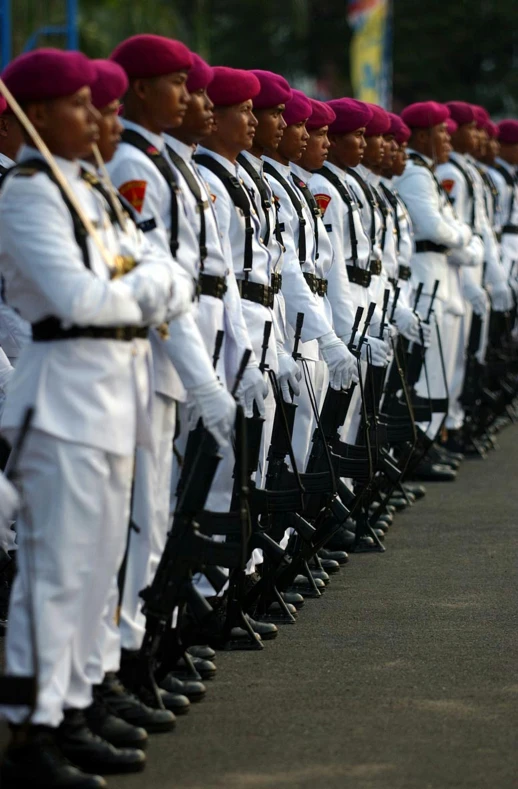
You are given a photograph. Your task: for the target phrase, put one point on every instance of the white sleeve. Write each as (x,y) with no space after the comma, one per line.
(50,258)
(422,199)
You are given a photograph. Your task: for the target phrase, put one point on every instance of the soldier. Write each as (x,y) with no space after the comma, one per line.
(219,304)
(156,101)
(380,150)
(84,361)
(300,263)
(503,173)
(435,235)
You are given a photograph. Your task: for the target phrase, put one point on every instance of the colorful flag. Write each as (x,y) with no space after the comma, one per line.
(371,50)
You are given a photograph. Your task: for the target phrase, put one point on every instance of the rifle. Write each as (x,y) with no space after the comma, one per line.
(186,549)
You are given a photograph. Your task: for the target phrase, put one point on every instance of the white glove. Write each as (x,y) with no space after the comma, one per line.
(149,295)
(340,361)
(253,389)
(379,351)
(217,409)
(289,374)
(9,503)
(502,297)
(407,323)
(478,298)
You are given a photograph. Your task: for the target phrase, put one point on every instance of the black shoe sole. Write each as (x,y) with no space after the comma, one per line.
(109,769)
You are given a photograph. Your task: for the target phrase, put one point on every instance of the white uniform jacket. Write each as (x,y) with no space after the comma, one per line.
(426,202)
(213,314)
(182,360)
(78,387)
(506,181)
(232,226)
(339,218)
(298,296)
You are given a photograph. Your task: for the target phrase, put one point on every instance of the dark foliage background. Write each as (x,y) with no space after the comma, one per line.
(443,49)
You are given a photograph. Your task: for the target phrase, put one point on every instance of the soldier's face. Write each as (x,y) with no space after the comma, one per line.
(110,130)
(316,151)
(483,141)
(68,125)
(492,150)
(270,128)
(465,139)
(374,150)
(347,150)
(199,117)
(509,152)
(294,142)
(440,143)
(164,100)
(389,151)
(235,126)
(400,160)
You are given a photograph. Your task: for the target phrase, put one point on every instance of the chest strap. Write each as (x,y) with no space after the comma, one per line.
(312,205)
(269,210)
(351,204)
(166,171)
(195,189)
(297,205)
(240,198)
(512,183)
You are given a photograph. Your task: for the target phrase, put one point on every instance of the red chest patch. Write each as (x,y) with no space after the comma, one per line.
(322,202)
(448,185)
(134,192)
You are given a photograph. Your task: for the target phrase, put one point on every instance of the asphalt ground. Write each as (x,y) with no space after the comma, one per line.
(404,675)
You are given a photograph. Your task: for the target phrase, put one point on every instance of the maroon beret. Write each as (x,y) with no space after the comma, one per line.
(147,55)
(111,83)
(232,86)
(492,129)
(48,74)
(351,114)
(451,126)
(200,74)
(274,90)
(425,114)
(481,115)
(399,129)
(3,105)
(508,131)
(461,112)
(379,123)
(321,115)
(298,108)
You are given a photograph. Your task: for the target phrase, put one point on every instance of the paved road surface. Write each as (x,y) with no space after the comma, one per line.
(404,676)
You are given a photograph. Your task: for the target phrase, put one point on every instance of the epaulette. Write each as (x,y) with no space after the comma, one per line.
(419,163)
(26,172)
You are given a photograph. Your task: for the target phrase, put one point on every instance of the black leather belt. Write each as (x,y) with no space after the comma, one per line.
(360,276)
(51,329)
(316,284)
(404,273)
(254,291)
(276,283)
(212,286)
(430,246)
(375,267)
(511,229)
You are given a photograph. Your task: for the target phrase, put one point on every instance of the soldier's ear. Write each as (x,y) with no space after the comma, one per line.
(37,112)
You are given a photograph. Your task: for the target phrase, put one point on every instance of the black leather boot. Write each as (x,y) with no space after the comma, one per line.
(34,760)
(91,753)
(125,705)
(109,727)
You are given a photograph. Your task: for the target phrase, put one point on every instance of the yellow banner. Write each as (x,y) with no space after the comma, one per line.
(370,56)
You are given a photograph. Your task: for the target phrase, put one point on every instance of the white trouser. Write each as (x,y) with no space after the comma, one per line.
(305,422)
(71,534)
(431,382)
(150,514)
(456,329)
